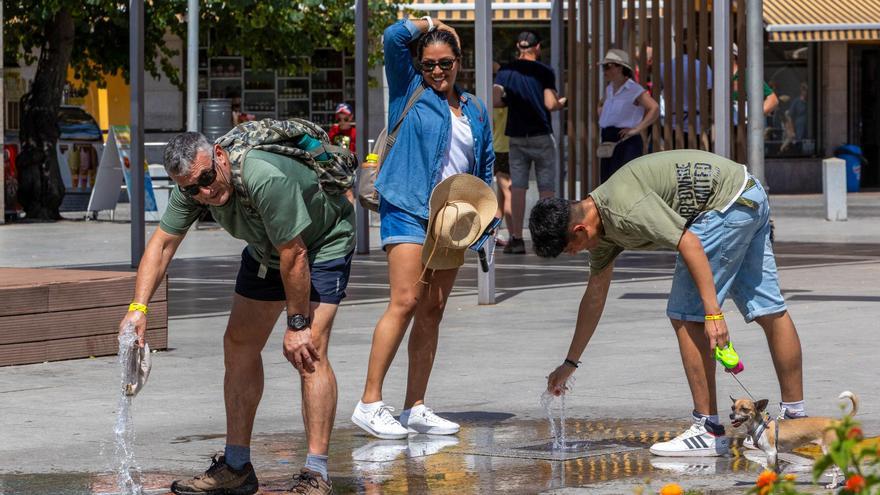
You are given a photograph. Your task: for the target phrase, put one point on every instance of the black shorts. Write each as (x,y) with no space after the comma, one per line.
(502,162)
(329,280)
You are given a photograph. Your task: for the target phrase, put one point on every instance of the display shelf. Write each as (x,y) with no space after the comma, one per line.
(312,95)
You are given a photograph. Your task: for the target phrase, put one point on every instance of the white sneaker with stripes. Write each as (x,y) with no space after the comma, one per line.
(697,441)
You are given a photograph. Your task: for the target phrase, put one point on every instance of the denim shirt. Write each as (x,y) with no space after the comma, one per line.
(412,167)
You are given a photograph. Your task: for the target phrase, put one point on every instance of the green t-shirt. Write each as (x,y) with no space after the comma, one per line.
(647,203)
(735,95)
(288,203)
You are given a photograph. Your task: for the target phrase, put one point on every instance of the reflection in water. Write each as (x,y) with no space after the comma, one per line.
(442,464)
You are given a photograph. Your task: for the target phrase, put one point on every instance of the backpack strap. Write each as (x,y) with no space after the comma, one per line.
(392,136)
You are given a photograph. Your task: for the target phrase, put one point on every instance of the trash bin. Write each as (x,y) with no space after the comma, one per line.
(854,159)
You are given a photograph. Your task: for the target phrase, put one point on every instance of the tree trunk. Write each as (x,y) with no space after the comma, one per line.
(41,187)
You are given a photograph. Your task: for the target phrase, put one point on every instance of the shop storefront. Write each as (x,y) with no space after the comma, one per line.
(823,61)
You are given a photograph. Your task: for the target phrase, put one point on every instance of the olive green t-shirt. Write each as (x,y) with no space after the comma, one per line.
(648,203)
(288,203)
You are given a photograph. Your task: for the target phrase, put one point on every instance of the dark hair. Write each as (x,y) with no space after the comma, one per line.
(548,224)
(627,72)
(437,36)
(527,39)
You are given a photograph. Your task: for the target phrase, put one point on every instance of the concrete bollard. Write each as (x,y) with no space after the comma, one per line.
(834,189)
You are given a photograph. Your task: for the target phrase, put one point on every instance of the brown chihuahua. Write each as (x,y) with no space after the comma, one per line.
(793,433)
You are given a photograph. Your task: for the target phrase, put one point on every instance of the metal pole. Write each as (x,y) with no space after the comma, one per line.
(556,52)
(136,70)
(2,125)
(361,19)
(483,68)
(192,65)
(755,75)
(721,58)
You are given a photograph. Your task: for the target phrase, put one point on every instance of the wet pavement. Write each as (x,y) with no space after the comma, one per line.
(56,419)
(489,455)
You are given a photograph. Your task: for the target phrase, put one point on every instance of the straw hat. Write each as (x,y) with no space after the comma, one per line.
(617,56)
(461,208)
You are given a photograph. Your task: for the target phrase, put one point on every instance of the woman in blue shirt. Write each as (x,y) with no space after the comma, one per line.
(447,131)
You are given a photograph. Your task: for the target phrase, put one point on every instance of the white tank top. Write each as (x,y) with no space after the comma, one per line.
(459,157)
(620,109)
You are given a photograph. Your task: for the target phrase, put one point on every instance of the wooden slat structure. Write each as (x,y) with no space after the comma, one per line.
(52,314)
(657,34)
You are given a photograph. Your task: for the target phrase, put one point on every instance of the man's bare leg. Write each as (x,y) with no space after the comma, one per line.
(319,390)
(250,324)
(785,348)
(699,366)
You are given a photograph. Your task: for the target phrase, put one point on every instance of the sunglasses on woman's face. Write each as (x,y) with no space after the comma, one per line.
(205,179)
(608,66)
(445,64)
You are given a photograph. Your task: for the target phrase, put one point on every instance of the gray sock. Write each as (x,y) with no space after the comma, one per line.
(237,456)
(318,464)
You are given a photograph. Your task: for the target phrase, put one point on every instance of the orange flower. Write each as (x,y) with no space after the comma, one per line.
(765,490)
(767,478)
(671,489)
(855,483)
(855,433)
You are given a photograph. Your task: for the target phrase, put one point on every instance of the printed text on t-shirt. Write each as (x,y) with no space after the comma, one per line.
(695,182)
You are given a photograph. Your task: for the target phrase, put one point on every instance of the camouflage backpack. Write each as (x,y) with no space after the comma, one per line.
(335,175)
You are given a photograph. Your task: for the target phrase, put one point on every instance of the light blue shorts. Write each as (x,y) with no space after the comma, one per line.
(737,243)
(399,226)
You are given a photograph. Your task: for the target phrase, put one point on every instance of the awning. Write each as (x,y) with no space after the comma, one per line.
(822,20)
(463,10)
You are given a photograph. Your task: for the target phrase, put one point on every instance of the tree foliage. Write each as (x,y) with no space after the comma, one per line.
(270,33)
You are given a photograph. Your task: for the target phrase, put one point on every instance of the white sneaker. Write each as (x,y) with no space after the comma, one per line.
(425,445)
(749,444)
(422,419)
(697,441)
(376,419)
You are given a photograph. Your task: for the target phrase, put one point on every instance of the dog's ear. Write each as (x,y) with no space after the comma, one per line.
(732,399)
(761,405)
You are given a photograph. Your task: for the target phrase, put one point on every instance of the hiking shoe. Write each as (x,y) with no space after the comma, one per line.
(423,420)
(515,245)
(697,441)
(378,421)
(219,479)
(308,482)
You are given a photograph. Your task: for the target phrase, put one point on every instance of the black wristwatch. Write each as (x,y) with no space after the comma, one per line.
(297,322)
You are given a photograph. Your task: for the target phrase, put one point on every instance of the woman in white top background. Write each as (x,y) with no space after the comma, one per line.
(627,110)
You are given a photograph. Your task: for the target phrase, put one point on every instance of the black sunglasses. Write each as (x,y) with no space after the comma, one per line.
(445,64)
(608,66)
(205,179)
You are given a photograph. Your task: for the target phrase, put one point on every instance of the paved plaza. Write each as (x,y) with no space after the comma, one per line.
(56,419)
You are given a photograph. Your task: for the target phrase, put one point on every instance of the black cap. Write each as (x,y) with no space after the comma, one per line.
(527,39)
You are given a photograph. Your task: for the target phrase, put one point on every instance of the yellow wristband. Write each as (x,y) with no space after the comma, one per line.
(138,307)
(719,316)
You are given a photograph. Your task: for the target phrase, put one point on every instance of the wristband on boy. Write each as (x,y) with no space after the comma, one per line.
(719,316)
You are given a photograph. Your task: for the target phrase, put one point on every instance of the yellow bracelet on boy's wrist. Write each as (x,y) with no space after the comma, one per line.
(138,307)
(719,316)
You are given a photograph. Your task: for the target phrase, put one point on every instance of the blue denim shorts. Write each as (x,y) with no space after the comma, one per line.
(737,243)
(400,226)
